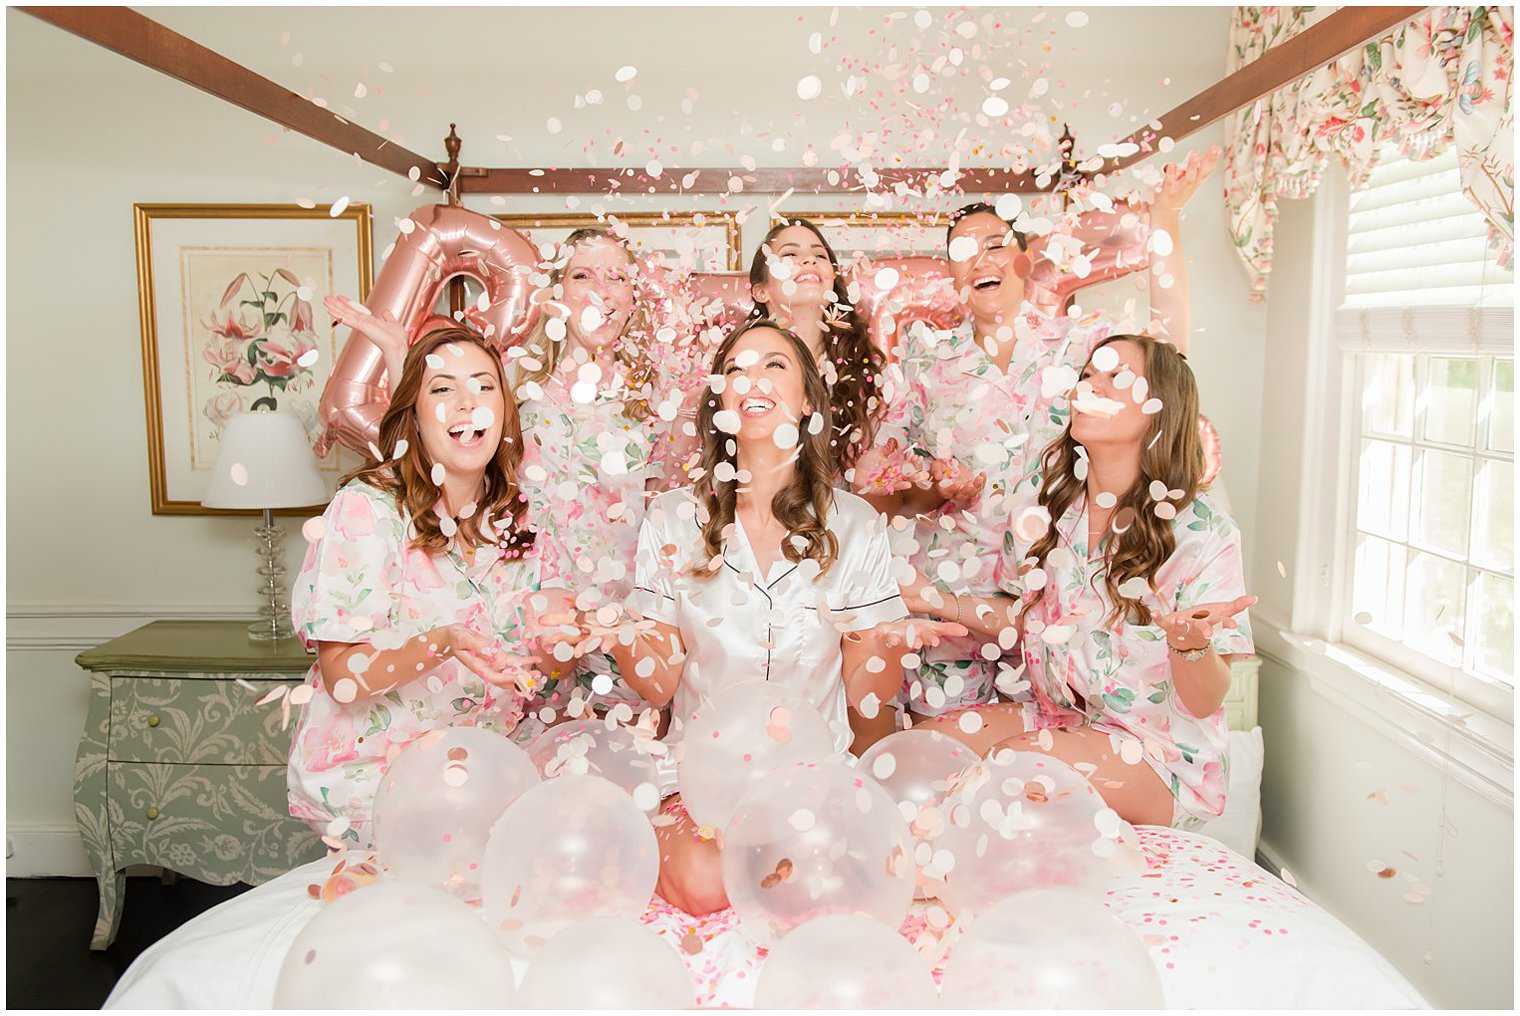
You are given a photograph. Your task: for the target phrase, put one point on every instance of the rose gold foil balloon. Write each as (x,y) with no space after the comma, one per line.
(1213,455)
(1113,244)
(437,243)
(894,292)
(719,299)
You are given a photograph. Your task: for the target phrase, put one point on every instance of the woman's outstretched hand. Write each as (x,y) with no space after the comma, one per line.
(385,333)
(488,660)
(1180,182)
(1191,629)
(955,482)
(916,633)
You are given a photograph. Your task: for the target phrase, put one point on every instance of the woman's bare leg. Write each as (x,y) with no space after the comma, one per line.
(868,732)
(999,721)
(691,869)
(1134,791)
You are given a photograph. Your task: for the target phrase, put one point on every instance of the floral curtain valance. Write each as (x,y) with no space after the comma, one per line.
(1443,78)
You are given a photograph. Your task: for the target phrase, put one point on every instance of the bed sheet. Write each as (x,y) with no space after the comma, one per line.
(1224,933)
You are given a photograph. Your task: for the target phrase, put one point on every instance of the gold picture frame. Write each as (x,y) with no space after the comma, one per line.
(193,261)
(713,248)
(876,235)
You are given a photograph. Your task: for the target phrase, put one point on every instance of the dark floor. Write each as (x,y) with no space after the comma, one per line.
(48,923)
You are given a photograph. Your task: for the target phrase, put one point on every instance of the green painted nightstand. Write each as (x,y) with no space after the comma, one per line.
(178,768)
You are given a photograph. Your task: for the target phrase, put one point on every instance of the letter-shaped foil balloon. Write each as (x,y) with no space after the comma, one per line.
(894,292)
(1112,246)
(437,243)
(1213,454)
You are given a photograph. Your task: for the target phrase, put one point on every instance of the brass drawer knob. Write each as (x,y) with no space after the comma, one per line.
(152,719)
(152,814)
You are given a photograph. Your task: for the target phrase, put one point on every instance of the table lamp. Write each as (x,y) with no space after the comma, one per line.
(265,462)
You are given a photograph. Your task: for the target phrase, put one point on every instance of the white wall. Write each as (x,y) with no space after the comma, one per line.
(1344,784)
(90,133)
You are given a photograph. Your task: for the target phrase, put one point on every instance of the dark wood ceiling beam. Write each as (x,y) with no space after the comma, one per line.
(714,180)
(1281,65)
(124,31)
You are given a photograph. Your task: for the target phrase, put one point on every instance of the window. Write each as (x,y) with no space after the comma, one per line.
(1426,326)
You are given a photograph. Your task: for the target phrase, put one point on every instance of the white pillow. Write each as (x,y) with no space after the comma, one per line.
(1240,824)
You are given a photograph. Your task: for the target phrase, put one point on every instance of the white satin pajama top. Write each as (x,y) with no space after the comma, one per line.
(784,626)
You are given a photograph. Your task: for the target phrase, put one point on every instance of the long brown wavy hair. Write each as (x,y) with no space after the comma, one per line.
(802,506)
(409,478)
(855,388)
(1171,452)
(633,349)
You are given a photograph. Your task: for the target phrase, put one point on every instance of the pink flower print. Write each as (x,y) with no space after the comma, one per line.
(327,747)
(278,356)
(422,570)
(355,518)
(226,355)
(220,407)
(475,618)
(233,328)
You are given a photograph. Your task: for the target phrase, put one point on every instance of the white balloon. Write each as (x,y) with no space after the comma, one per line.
(634,969)
(588,747)
(812,840)
(916,767)
(845,961)
(569,849)
(1050,949)
(744,733)
(436,803)
(1018,821)
(396,946)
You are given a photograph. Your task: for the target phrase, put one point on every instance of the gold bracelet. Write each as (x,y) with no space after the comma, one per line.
(957,607)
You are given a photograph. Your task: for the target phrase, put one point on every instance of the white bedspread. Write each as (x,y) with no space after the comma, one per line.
(1223,932)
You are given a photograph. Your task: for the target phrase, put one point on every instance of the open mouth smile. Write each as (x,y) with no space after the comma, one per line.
(466,435)
(756,405)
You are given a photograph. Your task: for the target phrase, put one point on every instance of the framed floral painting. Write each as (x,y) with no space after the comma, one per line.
(230,302)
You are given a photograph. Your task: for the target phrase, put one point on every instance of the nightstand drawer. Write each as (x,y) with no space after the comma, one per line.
(219,824)
(160,719)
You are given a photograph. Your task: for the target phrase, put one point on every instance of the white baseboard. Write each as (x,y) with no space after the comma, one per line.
(45,851)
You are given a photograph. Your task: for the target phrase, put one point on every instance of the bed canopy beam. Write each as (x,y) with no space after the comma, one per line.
(715,180)
(1281,65)
(124,31)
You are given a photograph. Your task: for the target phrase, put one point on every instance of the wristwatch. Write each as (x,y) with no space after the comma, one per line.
(1190,655)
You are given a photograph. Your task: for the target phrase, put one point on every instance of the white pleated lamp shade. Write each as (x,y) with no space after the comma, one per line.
(265,462)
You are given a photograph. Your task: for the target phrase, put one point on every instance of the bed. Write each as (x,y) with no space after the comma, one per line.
(1224,933)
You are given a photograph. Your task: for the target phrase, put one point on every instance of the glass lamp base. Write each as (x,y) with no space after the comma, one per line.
(265,631)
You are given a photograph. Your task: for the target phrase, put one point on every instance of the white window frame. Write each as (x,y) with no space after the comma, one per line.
(1490,695)
(1436,713)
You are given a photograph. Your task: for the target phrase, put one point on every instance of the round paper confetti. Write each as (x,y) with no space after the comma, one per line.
(809,87)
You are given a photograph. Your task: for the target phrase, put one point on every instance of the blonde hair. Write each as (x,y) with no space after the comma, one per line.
(633,348)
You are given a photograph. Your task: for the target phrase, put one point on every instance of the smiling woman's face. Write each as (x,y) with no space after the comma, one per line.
(798,271)
(1103,407)
(460,409)
(597,285)
(984,264)
(764,384)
